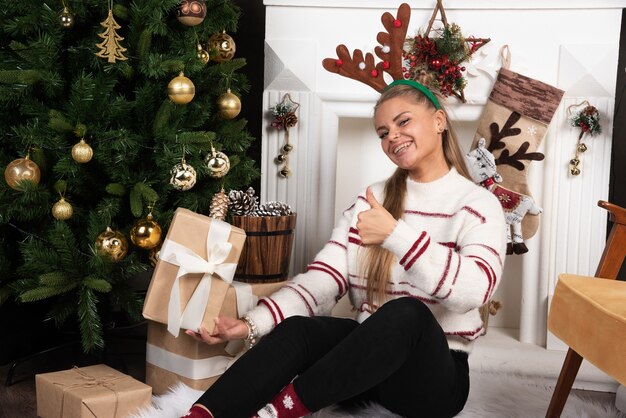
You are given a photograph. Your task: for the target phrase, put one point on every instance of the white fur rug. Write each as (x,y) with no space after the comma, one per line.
(491,395)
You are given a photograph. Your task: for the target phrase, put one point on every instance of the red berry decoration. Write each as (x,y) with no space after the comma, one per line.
(339,62)
(374,73)
(386,65)
(397,23)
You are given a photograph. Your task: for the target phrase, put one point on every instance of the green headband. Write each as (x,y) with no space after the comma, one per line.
(429,94)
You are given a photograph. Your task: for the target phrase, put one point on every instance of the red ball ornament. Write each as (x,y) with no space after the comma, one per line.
(397,23)
(339,63)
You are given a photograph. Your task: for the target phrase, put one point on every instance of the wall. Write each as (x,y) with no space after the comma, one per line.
(572,45)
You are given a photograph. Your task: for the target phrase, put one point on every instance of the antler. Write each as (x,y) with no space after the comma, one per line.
(362,68)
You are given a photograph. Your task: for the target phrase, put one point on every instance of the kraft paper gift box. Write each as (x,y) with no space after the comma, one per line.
(94,391)
(170,359)
(197,262)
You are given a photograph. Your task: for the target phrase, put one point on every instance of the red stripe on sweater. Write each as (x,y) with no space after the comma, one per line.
(339,282)
(278,310)
(400,293)
(269,307)
(488,272)
(338,244)
(306,302)
(490,249)
(309,293)
(444,275)
(419,253)
(335,271)
(353,240)
(466,334)
(447,215)
(413,247)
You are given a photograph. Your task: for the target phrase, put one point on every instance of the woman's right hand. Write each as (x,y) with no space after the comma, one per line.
(226,329)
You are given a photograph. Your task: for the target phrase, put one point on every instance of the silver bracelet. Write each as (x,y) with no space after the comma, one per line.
(253,333)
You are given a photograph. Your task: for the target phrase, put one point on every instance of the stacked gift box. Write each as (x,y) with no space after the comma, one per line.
(192,284)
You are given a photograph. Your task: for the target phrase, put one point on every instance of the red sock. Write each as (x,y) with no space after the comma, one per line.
(286,404)
(198,412)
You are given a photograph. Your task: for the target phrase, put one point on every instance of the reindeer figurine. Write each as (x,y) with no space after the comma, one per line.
(482,167)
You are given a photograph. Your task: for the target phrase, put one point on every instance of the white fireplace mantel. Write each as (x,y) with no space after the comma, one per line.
(571,44)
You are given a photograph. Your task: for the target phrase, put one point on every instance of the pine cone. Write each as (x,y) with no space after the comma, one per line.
(273,209)
(219,206)
(290,120)
(242,203)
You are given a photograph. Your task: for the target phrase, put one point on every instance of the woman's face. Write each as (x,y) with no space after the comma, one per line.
(410,135)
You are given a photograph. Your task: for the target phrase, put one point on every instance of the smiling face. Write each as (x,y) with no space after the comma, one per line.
(411,136)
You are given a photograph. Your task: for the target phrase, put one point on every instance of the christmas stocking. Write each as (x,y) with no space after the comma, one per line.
(513,123)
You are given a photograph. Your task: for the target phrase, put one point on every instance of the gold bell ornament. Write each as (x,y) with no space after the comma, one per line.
(181,89)
(112,244)
(229,105)
(183,176)
(146,233)
(82,152)
(20,170)
(224,45)
(218,163)
(191,12)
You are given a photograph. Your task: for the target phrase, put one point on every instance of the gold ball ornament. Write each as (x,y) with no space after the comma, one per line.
(82,152)
(181,89)
(66,19)
(225,46)
(203,55)
(62,210)
(218,163)
(146,233)
(183,176)
(21,169)
(229,105)
(285,172)
(191,12)
(112,244)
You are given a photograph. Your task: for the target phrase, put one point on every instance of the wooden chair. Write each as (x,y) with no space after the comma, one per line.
(589,315)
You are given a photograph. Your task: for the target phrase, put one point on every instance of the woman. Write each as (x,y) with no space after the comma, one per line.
(417,267)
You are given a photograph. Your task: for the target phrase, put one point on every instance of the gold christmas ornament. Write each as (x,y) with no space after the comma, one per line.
(112,244)
(217,163)
(110,47)
(191,12)
(146,233)
(82,152)
(183,176)
(229,105)
(62,210)
(225,46)
(21,169)
(285,172)
(66,19)
(203,55)
(219,205)
(181,89)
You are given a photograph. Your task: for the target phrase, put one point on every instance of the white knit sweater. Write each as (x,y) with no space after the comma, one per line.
(450,246)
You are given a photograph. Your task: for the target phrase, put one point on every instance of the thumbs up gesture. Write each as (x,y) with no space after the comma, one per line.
(375,224)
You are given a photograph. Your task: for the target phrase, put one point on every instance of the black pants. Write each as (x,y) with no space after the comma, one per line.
(398,357)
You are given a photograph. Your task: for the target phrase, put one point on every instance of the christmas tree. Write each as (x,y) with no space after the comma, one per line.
(111,116)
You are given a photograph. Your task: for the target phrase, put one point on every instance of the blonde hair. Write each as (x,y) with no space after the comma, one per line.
(377,262)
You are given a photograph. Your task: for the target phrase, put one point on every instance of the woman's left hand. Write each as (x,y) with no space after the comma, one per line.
(375,224)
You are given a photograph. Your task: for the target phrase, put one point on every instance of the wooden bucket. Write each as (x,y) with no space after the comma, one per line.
(267,251)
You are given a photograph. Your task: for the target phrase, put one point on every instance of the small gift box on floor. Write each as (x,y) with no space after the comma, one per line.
(94,391)
(197,262)
(198,365)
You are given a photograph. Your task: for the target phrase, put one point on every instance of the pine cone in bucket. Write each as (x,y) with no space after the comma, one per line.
(273,209)
(242,203)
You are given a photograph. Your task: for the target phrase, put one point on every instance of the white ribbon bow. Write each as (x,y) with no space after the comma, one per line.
(188,261)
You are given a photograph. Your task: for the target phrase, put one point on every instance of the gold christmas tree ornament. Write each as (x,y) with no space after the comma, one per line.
(20,170)
(110,47)
(191,12)
(183,176)
(217,163)
(112,244)
(229,105)
(82,152)
(62,210)
(66,19)
(181,89)
(146,233)
(203,55)
(219,205)
(224,45)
